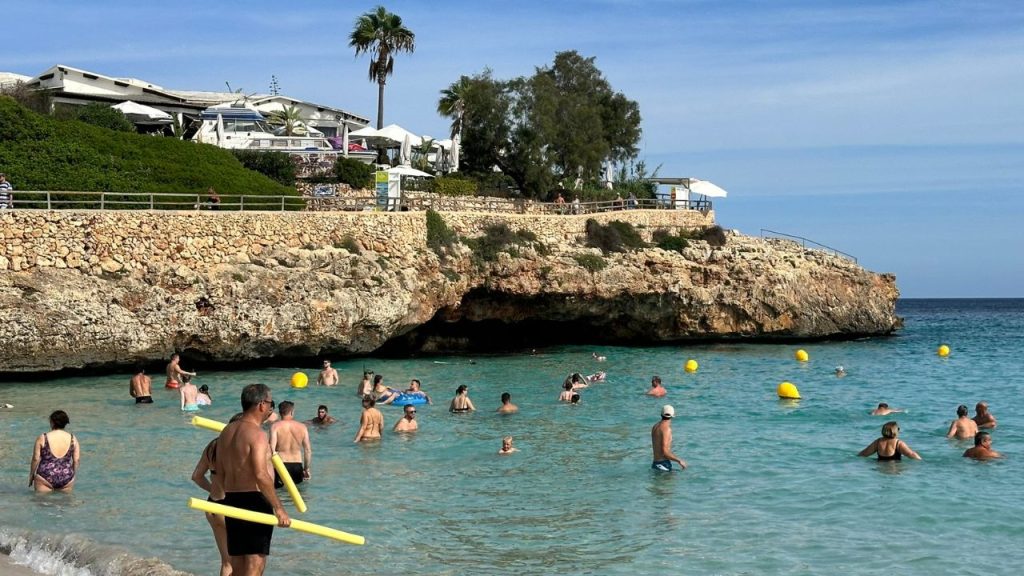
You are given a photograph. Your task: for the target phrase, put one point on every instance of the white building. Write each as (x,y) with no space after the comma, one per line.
(68,85)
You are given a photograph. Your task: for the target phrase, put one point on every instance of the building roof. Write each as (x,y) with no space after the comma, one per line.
(70,81)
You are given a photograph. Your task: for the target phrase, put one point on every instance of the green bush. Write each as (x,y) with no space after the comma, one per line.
(104,116)
(454,186)
(616,236)
(439,235)
(591,262)
(277,166)
(356,174)
(666,241)
(714,236)
(500,238)
(42,153)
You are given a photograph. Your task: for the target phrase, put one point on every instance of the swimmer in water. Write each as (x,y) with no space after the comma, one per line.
(599,358)
(174,372)
(840,372)
(883,410)
(506,446)
(461,402)
(963,427)
(982,448)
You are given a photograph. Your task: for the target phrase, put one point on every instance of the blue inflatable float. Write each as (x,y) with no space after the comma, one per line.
(409,399)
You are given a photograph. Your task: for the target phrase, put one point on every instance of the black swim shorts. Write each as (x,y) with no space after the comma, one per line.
(143,399)
(247,537)
(294,470)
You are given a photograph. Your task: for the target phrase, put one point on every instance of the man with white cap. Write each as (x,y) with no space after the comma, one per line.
(661,442)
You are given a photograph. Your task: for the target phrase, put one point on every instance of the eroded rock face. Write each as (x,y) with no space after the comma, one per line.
(278,300)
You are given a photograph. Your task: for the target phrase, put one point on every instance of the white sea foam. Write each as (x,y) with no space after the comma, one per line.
(75,555)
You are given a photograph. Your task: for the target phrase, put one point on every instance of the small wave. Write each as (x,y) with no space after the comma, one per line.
(75,555)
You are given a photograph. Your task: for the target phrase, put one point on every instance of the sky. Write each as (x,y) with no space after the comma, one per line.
(889,130)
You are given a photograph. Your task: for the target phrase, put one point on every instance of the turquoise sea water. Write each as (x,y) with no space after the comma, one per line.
(773,487)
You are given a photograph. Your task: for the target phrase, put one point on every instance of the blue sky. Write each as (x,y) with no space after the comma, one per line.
(893,131)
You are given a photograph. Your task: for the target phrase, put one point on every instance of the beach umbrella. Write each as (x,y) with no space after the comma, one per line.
(705,188)
(438,157)
(367,132)
(220,129)
(454,154)
(609,178)
(408,171)
(344,139)
(405,152)
(142,114)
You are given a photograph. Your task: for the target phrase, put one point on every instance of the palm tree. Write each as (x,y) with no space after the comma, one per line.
(288,116)
(453,104)
(381,34)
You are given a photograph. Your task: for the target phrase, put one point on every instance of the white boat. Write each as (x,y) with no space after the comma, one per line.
(239,126)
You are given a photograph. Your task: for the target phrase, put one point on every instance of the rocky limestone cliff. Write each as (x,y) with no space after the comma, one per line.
(140,288)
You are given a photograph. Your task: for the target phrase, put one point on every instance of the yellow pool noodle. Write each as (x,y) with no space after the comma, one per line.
(300,504)
(271,520)
(201,422)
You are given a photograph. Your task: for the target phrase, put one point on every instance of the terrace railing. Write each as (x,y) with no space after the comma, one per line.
(64,200)
(765,233)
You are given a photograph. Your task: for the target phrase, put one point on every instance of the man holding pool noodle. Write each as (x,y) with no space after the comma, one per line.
(242,455)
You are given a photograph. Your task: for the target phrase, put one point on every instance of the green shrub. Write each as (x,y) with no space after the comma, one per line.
(616,236)
(454,186)
(591,262)
(43,153)
(714,236)
(277,166)
(500,238)
(104,116)
(356,174)
(439,235)
(666,241)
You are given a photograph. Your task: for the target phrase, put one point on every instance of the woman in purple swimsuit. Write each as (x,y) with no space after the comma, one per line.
(49,472)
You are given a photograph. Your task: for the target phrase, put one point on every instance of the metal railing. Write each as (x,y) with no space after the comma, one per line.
(64,200)
(805,241)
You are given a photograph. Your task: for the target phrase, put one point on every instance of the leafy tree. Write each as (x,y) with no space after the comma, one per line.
(381,34)
(289,117)
(453,103)
(559,124)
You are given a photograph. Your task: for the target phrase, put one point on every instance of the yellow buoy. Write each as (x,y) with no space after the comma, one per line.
(801,356)
(691,365)
(943,351)
(299,380)
(788,390)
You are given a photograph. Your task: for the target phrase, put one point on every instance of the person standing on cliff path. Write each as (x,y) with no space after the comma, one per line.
(140,386)
(213,198)
(174,372)
(6,197)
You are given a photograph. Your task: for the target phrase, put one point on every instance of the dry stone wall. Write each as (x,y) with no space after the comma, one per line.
(121,242)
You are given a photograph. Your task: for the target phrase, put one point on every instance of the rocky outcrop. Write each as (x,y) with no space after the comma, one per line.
(93,289)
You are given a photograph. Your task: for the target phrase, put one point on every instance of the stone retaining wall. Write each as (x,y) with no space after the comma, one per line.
(122,242)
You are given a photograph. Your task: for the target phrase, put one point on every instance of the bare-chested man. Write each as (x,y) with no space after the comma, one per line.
(322,417)
(661,442)
(883,409)
(408,421)
(963,427)
(328,376)
(371,422)
(189,395)
(290,439)
(657,390)
(243,466)
(140,386)
(982,448)
(174,372)
(982,417)
(507,407)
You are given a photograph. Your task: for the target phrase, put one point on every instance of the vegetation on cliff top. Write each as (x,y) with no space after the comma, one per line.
(43,153)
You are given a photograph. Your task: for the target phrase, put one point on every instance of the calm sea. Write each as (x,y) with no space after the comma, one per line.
(773,487)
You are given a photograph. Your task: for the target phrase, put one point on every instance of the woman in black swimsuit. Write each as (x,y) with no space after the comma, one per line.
(461,402)
(889,447)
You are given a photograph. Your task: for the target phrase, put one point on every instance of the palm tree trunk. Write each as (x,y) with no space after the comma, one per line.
(380,104)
